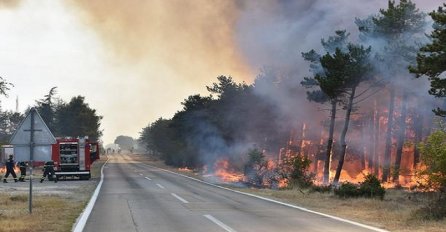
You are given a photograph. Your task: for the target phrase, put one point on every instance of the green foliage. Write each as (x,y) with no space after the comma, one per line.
(327,83)
(431,60)
(9,122)
(347,190)
(256,157)
(47,108)
(433,155)
(77,119)
(255,167)
(371,187)
(399,19)
(299,175)
(5,86)
(208,128)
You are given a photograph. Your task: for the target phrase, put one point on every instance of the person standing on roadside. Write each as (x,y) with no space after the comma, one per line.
(10,169)
(22,166)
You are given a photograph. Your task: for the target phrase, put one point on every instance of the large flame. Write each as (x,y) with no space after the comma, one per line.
(224,173)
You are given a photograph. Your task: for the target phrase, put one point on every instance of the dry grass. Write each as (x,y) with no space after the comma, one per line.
(51,212)
(394,213)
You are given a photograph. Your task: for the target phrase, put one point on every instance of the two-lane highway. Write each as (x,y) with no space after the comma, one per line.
(139,197)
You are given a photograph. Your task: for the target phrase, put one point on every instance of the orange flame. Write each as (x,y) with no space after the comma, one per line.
(225,173)
(185,169)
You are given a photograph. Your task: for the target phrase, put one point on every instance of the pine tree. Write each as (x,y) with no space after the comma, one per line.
(328,84)
(431,60)
(397,28)
(355,67)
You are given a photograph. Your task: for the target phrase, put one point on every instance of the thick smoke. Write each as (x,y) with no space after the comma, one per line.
(194,41)
(169,49)
(275,33)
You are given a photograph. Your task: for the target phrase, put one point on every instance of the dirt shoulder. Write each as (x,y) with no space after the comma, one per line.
(56,206)
(394,213)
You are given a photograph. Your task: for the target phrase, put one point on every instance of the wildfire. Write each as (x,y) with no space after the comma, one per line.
(185,169)
(223,171)
(264,176)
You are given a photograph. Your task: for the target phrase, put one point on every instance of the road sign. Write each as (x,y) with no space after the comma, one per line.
(42,139)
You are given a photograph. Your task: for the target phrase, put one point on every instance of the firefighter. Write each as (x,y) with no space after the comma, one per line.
(48,170)
(22,166)
(10,169)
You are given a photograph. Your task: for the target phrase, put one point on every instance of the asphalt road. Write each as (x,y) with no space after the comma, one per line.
(138,197)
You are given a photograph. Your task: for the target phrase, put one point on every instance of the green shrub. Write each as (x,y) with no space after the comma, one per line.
(371,187)
(321,188)
(299,175)
(347,190)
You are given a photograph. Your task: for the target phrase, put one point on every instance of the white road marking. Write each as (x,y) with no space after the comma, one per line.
(140,174)
(277,202)
(180,198)
(82,220)
(147,178)
(161,187)
(219,223)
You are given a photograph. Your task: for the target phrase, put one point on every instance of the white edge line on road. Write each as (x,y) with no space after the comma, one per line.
(180,198)
(161,187)
(147,178)
(140,174)
(219,223)
(278,202)
(82,220)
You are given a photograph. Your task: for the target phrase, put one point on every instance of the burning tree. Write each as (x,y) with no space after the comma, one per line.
(395,33)
(330,90)
(356,67)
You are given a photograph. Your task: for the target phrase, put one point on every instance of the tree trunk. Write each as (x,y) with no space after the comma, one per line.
(363,148)
(388,149)
(401,136)
(418,137)
(343,134)
(329,143)
(376,142)
(370,142)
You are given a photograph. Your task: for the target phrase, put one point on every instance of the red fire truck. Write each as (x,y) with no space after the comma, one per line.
(73,157)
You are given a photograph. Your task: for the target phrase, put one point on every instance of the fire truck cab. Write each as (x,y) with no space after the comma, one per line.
(73,157)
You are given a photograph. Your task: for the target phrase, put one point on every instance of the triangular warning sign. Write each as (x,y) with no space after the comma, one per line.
(42,134)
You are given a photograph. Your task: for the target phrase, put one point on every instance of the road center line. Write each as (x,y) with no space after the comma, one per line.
(161,187)
(219,223)
(180,198)
(274,201)
(147,178)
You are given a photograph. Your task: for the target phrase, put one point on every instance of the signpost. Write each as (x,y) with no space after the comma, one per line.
(32,141)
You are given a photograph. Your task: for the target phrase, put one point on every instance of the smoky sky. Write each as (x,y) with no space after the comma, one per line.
(147,56)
